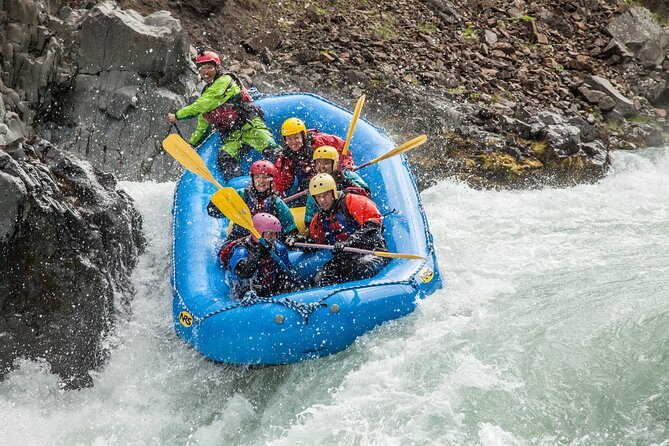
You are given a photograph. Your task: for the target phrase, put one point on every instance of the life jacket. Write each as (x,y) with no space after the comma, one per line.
(256,205)
(236,112)
(338,224)
(226,251)
(301,165)
(269,274)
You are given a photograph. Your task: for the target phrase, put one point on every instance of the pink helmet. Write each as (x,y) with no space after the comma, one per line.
(207,56)
(265,222)
(263,166)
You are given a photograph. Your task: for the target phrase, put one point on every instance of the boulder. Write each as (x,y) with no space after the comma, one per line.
(623,105)
(114,114)
(68,243)
(641,34)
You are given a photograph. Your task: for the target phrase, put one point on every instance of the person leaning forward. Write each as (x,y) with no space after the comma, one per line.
(326,160)
(346,220)
(295,159)
(226,106)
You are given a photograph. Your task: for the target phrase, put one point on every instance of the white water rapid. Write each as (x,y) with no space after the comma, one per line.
(552,328)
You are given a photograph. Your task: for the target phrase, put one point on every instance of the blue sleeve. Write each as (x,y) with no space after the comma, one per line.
(282,252)
(356,178)
(239,254)
(310,211)
(285,216)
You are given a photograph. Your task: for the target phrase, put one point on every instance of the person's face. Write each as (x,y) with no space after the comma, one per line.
(325,200)
(323,165)
(294,141)
(262,182)
(270,237)
(207,71)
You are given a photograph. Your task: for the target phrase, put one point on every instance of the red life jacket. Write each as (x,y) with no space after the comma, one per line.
(236,112)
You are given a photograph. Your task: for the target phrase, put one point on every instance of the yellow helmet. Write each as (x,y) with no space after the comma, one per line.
(327,153)
(322,183)
(292,126)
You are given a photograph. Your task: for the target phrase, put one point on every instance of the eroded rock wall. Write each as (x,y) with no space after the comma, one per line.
(68,242)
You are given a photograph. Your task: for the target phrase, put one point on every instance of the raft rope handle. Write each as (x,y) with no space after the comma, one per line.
(303,309)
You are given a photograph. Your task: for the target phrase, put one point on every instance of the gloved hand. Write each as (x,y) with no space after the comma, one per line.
(339,247)
(291,240)
(271,153)
(213,211)
(366,236)
(229,166)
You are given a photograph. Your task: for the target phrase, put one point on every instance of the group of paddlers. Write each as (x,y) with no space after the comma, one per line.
(339,211)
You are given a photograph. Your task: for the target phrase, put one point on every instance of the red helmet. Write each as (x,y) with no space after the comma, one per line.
(264,222)
(207,56)
(263,166)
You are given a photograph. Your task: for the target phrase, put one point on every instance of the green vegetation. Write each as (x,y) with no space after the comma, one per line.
(475,97)
(612,125)
(426,28)
(386,28)
(456,90)
(321,11)
(522,18)
(378,83)
(639,119)
(468,32)
(503,162)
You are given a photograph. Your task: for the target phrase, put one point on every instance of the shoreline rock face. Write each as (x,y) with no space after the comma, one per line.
(96,81)
(441,66)
(445,69)
(68,243)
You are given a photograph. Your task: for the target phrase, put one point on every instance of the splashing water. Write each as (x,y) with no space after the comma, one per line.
(552,328)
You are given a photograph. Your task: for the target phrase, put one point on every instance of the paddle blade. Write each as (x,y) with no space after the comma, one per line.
(354,122)
(234,208)
(397,255)
(187,157)
(412,144)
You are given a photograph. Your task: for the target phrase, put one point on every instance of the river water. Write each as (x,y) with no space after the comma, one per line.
(552,328)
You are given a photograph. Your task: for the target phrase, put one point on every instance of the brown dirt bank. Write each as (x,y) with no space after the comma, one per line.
(450,71)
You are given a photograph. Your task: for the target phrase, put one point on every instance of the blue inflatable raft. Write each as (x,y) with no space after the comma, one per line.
(311,323)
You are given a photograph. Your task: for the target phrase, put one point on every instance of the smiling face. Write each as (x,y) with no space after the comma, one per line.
(262,182)
(294,141)
(322,165)
(207,71)
(325,200)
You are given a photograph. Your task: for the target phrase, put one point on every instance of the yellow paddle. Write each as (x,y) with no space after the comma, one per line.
(354,122)
(188,157)
(396,151)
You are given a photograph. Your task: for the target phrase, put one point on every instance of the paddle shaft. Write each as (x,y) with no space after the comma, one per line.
(354,122)
(296,196)
(362,251)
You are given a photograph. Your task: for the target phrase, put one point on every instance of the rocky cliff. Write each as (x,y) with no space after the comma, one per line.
(470,74)
(68,242)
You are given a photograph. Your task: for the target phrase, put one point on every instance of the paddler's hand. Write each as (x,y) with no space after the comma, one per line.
(171,118)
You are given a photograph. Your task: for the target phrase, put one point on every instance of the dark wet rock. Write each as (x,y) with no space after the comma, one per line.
(68,243)
(94,81)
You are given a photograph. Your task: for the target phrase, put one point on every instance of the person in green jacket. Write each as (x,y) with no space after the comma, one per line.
(226,106)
